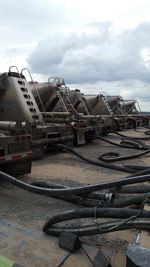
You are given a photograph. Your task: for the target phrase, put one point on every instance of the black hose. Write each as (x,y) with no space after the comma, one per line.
(144,171)
(125,143)
(93,162)
(108,141)
(116,213)
(113,156)
(93,195)
(147,132)
(132,137)
(75,199)
(128,201)
(106,227)
(77,190)
(93,199)
(137,167)
(134,144)
(134,189)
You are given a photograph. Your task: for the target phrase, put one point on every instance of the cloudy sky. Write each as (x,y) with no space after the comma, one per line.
(95,45)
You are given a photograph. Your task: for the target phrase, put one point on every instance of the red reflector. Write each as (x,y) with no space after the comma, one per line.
(17,138)
(28,137)
(23,138)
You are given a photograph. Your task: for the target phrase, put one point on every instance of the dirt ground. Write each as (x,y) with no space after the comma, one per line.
(30,211)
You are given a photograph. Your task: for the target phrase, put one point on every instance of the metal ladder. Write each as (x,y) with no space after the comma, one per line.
(26,69)
(26,93)
(61,93)
(65,91)
(103,95)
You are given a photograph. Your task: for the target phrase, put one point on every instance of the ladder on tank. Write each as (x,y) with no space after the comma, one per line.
(104,97)
(61,93)
(64,91)
(27,95)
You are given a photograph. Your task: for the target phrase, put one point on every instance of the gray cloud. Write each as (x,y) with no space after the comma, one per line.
(89,58)
(30,20)
(128,89)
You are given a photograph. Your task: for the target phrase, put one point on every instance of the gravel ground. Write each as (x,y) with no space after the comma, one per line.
(31,210)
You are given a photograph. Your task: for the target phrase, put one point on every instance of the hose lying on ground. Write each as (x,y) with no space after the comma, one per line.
(137,167)
(115,213)
(144,171)
(134,189)
(107,227)
(101,164)
(93,162)
(125,143)
(132,137)
(147,132)
(113,156)
(74,190)
(77,195)
(88,212)
(93,199)
(134,144)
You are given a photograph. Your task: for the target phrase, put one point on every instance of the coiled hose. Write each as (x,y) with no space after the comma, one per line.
(93,162)
(125,143)
(103,164)
(113,156)
(110,212)
(115,213)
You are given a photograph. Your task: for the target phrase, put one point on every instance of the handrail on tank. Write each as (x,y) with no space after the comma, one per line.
(26,69)
(59,81)
(102,93)
(54,78)
(14,67)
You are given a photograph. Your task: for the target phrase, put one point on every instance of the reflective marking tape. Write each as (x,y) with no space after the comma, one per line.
(17,156)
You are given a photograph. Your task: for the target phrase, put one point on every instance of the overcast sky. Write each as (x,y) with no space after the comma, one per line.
(95,45)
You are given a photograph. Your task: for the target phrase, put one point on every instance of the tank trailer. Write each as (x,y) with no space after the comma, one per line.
(56,102)
(18,104)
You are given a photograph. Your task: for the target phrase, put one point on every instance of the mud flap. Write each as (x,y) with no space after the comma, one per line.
(80,138)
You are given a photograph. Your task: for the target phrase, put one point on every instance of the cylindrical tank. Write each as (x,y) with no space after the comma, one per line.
(42,93)
(128,107)
(98,105)
(114,102)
